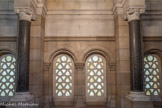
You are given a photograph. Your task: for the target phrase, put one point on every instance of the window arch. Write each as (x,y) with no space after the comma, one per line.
(152,68)
(95,77)
(63,77)
(7,76)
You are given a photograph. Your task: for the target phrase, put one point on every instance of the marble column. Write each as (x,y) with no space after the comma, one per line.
(22,86)
(136,55)
(136,98)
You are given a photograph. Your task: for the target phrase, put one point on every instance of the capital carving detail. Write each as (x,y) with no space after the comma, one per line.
(134,13)
(25,14)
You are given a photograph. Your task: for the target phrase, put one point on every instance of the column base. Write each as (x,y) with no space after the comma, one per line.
(22,100)
(138,100)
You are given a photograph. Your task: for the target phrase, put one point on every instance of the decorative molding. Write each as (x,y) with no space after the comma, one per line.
(47,39)
(155,38)
(8,39)
(112,67)
(138,96)
(79,12)
(22,97)
(26,14)
(133,13)
(47,66)
(79,66)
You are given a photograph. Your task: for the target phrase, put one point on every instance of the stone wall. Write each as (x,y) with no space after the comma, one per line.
(79,4)
(36,59)
(122,60)
(79,49)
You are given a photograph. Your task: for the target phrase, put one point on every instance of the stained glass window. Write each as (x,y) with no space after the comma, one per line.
(63,76)
(7,75)
(152,75)
(95,77)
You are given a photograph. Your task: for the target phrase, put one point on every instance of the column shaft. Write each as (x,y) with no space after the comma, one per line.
(136,56)
(23,57)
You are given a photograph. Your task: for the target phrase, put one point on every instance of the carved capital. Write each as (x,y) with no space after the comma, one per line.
(133,14)
(25,14)
(79,66)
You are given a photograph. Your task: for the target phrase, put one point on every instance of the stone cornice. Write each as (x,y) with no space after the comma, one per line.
(130,12)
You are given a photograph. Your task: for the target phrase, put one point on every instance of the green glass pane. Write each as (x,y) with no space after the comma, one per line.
(147,73)
(99,80)
(67,87)
(154,73)
(99,87)
(67,94)
(63,58)
(12,66)
(3,93)
(156,93)
(8,58)
(91,93)
(146,66)
(95,58)
(147,79)
(148,93)
(59,93)
(99,94)
(150,58)
(153,66)
(147,86)
(154,79)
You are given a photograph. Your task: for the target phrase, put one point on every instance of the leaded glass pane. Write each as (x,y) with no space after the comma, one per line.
(95,79)
(7,75)
(63,76)
(151,77)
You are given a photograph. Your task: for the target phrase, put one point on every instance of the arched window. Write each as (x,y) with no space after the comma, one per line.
(7,76)
(95,78)
(63,77)
(152,75)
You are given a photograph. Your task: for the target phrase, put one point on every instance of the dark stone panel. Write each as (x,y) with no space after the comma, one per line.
(136,56)
(23,57)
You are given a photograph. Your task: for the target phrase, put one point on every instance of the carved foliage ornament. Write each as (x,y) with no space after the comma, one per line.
(134,13)
(25,13)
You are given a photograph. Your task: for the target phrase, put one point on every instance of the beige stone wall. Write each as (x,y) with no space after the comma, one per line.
(36,59)
(122,60)
(79,4)
(79,49)
(80,24)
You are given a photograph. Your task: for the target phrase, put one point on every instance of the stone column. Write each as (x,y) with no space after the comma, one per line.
(137,98)
(22,87)
(135,41)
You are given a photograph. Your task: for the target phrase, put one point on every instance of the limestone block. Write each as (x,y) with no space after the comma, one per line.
(123,66)
(4,5)
(35,31)
(35,54)
(123,31)
(35,43)
(77,28)
(124,54)
(151,28)
(8,27)
(88,5)
(123,42)
(123,78)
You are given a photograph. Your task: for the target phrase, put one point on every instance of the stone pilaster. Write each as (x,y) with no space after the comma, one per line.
(79,99)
